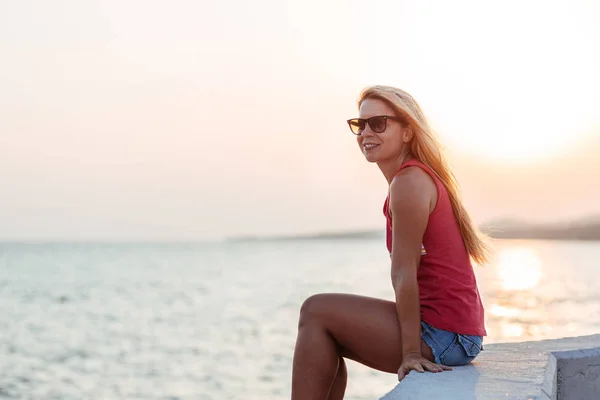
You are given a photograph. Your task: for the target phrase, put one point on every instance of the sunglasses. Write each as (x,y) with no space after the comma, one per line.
(377,123)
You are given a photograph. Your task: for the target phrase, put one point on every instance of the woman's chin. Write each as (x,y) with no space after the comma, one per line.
(371,158)
(375,155)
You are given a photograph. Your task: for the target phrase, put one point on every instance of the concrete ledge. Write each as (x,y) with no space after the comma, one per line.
(561,369)
(578,374)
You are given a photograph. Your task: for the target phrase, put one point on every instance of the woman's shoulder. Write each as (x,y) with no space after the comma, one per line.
(412,177)
(412,183)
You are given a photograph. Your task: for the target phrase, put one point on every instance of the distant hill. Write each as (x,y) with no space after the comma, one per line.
(588,229)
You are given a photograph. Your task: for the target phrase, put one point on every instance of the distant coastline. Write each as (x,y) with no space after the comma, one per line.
(499,230)
(579,230)
(362,234)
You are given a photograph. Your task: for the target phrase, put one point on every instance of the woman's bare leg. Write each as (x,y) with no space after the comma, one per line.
(360,328)
(338,388)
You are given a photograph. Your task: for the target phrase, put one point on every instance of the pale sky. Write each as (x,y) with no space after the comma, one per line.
(192,120)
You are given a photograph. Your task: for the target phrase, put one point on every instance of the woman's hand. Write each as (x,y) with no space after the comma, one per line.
(420,364)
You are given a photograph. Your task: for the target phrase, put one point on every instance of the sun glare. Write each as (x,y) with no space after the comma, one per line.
(520,146)
(517,144)
(521,96)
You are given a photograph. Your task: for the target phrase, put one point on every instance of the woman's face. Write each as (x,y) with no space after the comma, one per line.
(387,145)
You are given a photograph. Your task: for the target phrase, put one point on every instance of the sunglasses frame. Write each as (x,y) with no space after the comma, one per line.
(367,121)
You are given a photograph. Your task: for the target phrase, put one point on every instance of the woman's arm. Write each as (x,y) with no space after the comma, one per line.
(412,197)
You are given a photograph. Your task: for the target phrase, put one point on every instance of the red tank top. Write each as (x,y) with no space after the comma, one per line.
(447,287)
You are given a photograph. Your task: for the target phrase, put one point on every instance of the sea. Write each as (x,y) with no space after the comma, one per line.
(218,320)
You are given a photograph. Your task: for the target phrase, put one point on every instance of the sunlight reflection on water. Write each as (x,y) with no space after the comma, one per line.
(520,268)
(537,290)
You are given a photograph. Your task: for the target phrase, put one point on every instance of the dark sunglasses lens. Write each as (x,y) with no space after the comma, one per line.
(377,124)
(356,125)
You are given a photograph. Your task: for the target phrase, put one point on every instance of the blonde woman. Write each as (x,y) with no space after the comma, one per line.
(437,318)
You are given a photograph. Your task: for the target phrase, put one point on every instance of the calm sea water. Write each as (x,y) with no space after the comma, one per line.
(218,321)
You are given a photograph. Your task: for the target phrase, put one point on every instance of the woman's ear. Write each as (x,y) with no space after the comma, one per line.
(407,134)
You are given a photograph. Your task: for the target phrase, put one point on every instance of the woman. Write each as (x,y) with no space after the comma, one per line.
(437,319)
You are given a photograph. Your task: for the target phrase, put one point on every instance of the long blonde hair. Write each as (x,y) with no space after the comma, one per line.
(426,148)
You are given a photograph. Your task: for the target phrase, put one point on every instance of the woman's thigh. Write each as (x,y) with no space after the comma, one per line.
(365,329)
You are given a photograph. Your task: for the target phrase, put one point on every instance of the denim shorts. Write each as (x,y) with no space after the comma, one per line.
(450,348)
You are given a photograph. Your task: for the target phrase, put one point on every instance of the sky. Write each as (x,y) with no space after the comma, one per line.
(198,120)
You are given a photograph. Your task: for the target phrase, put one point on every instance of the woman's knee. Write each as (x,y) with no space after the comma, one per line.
(313,309)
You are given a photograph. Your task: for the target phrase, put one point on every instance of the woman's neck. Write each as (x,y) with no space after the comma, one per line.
(389,168)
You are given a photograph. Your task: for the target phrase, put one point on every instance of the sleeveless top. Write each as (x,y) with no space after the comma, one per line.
(448,292)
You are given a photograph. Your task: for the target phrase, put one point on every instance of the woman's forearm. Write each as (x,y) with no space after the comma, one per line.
(409,315)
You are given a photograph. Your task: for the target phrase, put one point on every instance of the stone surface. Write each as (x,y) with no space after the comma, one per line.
(578,374)
(526,370)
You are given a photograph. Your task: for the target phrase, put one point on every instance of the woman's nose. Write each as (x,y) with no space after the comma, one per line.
(367,132)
